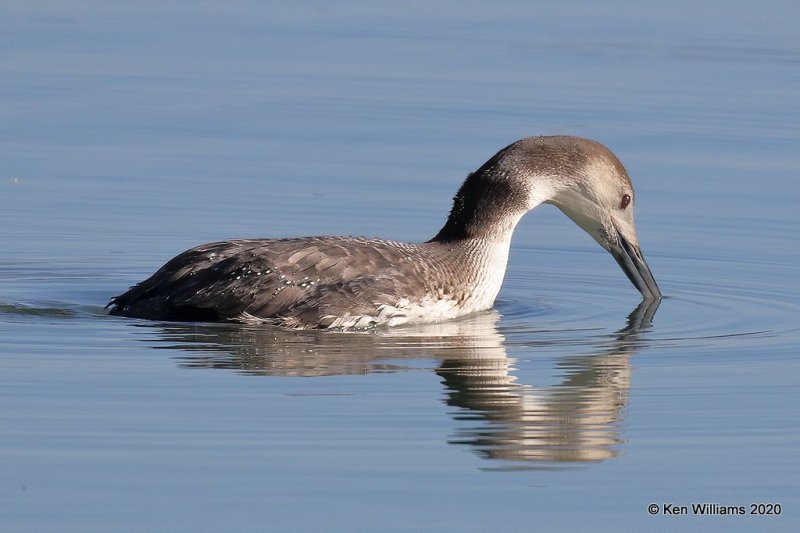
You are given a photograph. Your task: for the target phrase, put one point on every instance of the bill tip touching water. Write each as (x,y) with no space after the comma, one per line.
(356,282)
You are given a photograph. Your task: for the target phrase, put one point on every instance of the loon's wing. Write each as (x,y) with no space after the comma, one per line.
(264,278)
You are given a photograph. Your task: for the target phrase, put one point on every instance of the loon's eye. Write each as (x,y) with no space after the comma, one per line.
(625,202)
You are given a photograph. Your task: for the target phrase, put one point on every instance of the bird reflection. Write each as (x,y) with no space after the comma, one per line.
(575,420)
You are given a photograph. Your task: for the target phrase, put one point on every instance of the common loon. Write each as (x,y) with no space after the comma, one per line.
(357,282)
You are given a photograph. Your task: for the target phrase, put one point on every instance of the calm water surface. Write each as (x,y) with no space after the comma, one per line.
(130,133)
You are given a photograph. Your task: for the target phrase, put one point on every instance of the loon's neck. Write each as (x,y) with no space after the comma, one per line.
(486,207)
(492,200)
(476,237)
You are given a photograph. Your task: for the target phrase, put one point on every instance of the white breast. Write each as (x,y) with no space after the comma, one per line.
(481,287)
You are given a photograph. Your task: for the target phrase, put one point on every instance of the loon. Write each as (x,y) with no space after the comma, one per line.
(359,283)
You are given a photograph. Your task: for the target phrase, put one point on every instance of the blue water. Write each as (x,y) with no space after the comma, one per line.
(130,133)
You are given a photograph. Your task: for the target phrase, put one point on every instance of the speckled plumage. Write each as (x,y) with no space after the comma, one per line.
(321,282)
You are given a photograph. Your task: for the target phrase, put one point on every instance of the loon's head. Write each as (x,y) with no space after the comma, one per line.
(581,177)
(598,196)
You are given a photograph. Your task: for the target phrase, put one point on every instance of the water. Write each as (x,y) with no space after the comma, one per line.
(130,133)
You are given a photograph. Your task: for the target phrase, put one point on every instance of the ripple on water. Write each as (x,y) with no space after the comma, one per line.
(11,310)
(718,308)
(716,304)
